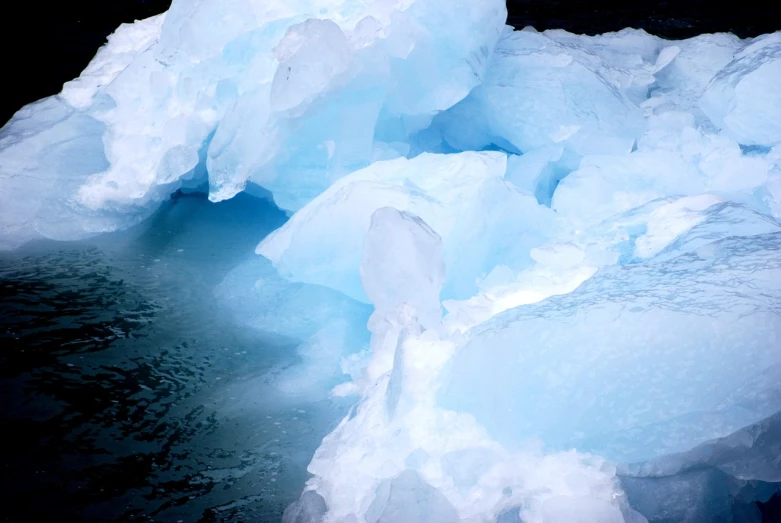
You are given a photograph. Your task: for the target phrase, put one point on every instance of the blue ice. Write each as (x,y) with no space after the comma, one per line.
(544,265)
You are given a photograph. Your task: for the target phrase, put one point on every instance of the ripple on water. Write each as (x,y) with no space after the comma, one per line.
(124,393)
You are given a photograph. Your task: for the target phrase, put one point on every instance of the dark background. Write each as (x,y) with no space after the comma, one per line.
(44,46)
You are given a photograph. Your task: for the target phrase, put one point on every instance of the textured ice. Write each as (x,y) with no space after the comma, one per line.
(290,95)
(716,481)
(741,98)
(467,203)
(546,265)
(552,372)
(540,93)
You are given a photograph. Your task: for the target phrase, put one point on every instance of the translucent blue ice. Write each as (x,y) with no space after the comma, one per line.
(640,361)
(532,257)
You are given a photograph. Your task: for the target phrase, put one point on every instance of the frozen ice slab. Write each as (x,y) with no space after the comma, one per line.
(540,93)
(399,457)
(290,96)
(408,497)
(640,361)
(703,495)
(482,220)
(742,99)
(657,231)
(750,453)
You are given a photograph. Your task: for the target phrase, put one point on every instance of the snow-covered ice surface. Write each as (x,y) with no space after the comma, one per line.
(571,244)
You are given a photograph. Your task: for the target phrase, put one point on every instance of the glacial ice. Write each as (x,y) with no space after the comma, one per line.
(715,481)
(288,95)
(552,374)
(546,266)
(467,203)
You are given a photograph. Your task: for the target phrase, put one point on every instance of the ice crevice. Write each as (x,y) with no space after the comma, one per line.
(546,266)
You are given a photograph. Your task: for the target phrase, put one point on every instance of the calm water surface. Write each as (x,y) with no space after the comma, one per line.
(127,394)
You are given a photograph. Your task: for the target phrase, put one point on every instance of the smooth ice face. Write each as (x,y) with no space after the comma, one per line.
(595,371)
(742,99)
(467,203)
(290,96)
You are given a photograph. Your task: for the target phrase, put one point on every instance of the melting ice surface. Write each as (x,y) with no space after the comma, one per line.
(571,245)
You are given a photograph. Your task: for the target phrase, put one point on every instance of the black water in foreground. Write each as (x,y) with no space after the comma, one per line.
(127,394)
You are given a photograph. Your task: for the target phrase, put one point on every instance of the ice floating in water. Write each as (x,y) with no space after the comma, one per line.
(289,95)
(570,243)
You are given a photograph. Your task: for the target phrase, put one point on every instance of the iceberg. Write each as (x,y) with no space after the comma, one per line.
(546,267)
(289,96)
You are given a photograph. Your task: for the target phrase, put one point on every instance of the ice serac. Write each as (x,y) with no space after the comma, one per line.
(290,96)
(595,370)
(462,197)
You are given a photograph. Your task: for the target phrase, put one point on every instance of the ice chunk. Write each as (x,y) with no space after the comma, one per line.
(585,510)
(403,458)
(719,480)
(593,369)
(39,144)
(290,96)
(680,84)
(672,158)
(402,263)
(310,508)
(510,515)
(123,46)
(742,100)
(655,232)
(467,203)
(538,171)
(683,227)
(606,185)
(408,497)
(541,93)
(467,465)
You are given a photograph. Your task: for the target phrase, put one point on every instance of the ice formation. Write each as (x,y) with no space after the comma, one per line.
(566,249)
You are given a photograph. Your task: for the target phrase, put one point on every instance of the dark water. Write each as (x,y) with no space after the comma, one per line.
(126,394)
